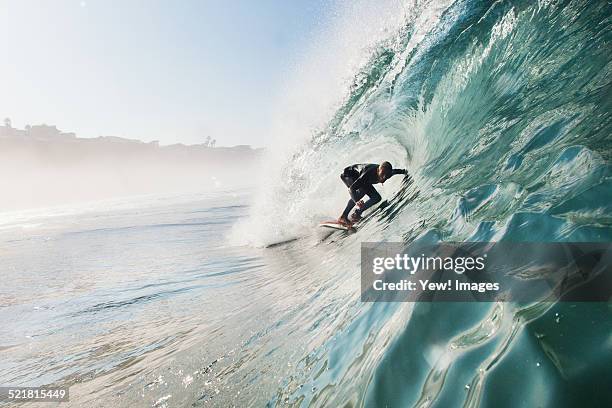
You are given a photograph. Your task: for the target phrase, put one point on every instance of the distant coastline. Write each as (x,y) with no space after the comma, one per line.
(41,165)
(48,143)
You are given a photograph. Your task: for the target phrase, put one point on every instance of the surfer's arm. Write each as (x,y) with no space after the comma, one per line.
(400,171)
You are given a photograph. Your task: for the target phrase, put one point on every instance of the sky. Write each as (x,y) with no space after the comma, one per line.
(172,71)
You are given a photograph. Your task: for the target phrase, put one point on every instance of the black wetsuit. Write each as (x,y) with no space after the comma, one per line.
(359,178)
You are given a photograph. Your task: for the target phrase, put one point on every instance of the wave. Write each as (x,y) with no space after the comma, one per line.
(500,112)
(467,96)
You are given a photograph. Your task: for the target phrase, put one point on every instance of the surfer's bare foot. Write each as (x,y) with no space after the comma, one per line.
(356,217)
(344,221)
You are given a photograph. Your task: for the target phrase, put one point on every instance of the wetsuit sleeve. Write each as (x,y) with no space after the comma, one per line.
(400,171)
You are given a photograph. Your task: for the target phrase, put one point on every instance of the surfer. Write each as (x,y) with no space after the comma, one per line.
(359,178)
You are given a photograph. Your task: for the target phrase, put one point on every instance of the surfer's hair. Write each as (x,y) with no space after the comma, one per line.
(386,168)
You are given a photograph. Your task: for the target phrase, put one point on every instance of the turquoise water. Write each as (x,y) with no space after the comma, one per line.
(500,112)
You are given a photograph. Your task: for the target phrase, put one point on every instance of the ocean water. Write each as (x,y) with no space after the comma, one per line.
(140,302)
(501,113)
(143,302)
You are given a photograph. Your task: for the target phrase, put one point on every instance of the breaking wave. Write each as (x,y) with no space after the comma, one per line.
(500,112)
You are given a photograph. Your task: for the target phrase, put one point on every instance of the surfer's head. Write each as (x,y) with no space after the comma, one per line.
(384,171)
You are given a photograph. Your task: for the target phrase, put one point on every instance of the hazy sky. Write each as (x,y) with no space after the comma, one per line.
(173,71)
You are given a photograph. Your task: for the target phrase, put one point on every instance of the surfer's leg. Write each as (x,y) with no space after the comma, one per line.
(347,180)
(351,204)
(347,209)
(373,198)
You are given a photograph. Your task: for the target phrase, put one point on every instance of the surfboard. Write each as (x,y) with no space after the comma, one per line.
(336,225)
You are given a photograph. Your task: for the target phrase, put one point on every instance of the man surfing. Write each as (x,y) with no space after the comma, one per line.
(359,178)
